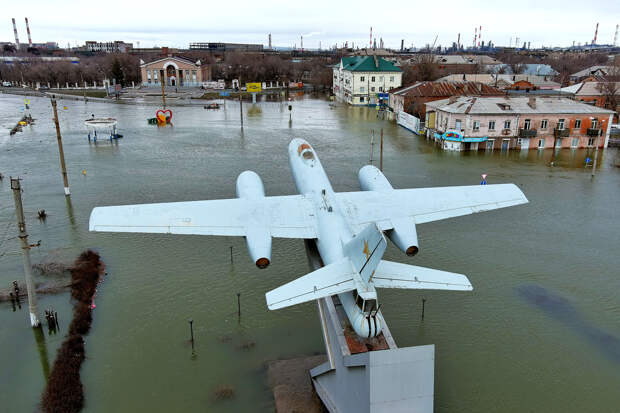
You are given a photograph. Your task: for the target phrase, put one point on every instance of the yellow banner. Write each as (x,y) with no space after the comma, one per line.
(253,87)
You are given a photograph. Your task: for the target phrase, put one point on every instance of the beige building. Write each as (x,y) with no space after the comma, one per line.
(474,123)
(175,71)
(364,80)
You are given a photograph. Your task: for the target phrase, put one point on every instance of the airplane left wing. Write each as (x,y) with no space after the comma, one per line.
(284,216)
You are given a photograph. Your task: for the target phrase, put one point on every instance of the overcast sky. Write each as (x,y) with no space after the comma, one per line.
(177,23)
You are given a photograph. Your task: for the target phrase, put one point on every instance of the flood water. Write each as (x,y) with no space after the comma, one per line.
(540,331)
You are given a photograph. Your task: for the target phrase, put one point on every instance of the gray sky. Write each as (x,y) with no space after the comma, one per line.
(177,23)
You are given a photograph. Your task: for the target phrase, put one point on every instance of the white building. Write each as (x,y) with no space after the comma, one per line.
(359,80)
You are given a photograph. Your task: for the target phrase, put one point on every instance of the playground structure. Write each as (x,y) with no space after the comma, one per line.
(162,118)
(105,124)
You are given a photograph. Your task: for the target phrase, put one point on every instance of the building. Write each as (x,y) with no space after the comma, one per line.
(455,62)
(226,47)
(116,46)
(526,69)
(412,98)
(595,71)
(504,81)
(478,123)
(596,93)
(358,80)
(175,71)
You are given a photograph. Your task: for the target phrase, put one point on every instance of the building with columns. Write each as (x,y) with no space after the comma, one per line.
(175,72)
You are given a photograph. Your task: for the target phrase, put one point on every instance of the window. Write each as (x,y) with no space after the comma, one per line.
(362,78)
(560,124)
(591,142)
(362,89)
(541,143)
(194,76)
(457,124)
(372,79)
(543,124)
(578,124)
(492,125)
(506,124)
(148,76)
(490,144)
(361,99)
(380,88)
(594,123)
(574,143)
(155,75)
(519,141)
(391,78)
(476,125)
(380,78)
(372,89)
(526,124)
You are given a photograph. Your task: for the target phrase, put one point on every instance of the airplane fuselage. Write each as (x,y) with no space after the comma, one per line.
(333,231)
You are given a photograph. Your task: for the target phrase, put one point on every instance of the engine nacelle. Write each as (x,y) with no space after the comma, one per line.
(258,237)
(404,235)
(250,186)
(372,179)
(258,240)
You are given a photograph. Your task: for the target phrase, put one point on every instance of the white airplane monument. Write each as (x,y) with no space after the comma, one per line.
(349,229)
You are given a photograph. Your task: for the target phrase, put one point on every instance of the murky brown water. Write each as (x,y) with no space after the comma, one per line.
(539,332)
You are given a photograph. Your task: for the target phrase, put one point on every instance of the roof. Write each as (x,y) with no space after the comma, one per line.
(528,69)
(177,58)
(592,70)
(438,89)
(591,88)
(490,79)
(368,64)
(456,59)
(514,105)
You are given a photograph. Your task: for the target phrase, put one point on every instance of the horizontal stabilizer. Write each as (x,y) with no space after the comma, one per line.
(396,275)
(332,279)
(365,250)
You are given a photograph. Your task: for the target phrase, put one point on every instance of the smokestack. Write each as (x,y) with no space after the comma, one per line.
(28,31)
(402,41)
(595,34)
(458,42)
(475,35)
(16,38)
(370,43)
(269,41)
(479,35)
(616,36)
(302,43)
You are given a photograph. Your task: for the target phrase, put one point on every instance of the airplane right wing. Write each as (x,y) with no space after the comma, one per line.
(331,279)
(426,204)
(396,275)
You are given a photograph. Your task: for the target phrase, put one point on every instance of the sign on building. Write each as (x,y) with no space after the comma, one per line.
(253,87)
(408,121)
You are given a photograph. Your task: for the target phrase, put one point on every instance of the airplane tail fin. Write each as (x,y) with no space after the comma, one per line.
(365,251)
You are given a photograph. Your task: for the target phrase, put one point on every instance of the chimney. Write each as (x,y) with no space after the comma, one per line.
(532,102)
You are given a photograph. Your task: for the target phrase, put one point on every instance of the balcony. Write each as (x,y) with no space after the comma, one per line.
(527,133)
(593,131)
(561,133)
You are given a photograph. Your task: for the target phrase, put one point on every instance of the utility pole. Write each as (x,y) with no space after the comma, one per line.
(381,153)
(163,92)
(596,150)
(61,153)
(23,238)
(240,104)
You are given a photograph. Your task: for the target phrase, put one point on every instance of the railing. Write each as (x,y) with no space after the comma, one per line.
(561,133)
(593,131)
(527,133)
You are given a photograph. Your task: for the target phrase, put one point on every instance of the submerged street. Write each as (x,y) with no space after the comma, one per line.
(539,332)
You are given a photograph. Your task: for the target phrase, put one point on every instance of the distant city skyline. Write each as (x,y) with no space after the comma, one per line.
(552,23)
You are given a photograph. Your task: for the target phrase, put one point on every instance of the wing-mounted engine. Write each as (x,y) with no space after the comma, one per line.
(403,234)
(258,236)
(372,179)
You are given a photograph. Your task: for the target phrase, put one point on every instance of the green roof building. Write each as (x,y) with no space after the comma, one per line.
(364,80)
